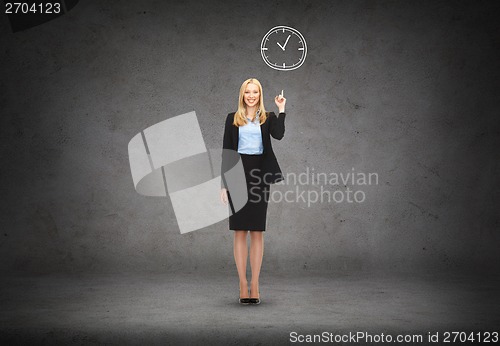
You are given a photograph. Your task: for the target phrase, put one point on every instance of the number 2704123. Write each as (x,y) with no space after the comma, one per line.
(32,8)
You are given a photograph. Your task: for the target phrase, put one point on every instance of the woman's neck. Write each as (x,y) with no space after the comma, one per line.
(251,112)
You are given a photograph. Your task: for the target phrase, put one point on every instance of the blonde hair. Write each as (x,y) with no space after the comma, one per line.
(240,117)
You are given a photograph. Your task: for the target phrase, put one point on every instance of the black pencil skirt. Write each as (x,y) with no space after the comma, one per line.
(252,217)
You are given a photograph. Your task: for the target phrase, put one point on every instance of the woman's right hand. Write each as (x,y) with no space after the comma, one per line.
(223,195)
(280,102)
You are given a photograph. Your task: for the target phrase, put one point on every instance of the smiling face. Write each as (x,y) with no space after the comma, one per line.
(251,95)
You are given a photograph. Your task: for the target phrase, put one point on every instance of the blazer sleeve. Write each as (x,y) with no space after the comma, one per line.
(277,125)
(227,143)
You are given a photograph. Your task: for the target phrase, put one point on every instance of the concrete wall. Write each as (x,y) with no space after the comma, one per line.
(407,90)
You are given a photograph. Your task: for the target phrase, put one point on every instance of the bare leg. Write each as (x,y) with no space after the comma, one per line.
(256,254)
(240,257)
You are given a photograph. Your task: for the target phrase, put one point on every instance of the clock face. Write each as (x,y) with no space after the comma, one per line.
(283,48)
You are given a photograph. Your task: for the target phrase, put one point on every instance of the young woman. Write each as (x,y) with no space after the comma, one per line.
(247,131)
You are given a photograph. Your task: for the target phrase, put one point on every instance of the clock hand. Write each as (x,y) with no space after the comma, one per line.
(283,46)
(286,41)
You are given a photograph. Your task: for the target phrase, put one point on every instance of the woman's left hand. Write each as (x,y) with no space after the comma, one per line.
(280,102)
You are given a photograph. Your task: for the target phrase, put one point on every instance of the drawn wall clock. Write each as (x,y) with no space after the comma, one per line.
(283,48)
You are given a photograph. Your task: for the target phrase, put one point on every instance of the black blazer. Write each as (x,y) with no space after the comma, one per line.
(273,126)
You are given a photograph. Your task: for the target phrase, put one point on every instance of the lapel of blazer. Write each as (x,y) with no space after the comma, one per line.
(263,130)
(236,136)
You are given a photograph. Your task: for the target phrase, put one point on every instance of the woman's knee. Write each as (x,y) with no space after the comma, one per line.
(256,234)
(240,234)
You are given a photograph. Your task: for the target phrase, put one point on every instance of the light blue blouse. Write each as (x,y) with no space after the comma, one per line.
(250,138)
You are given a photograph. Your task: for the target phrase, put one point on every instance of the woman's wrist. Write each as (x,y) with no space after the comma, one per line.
(281,110)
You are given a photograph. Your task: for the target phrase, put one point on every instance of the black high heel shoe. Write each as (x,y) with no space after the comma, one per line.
(244,301)
(255,301)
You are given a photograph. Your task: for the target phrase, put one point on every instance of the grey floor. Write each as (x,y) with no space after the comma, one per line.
(194,308)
